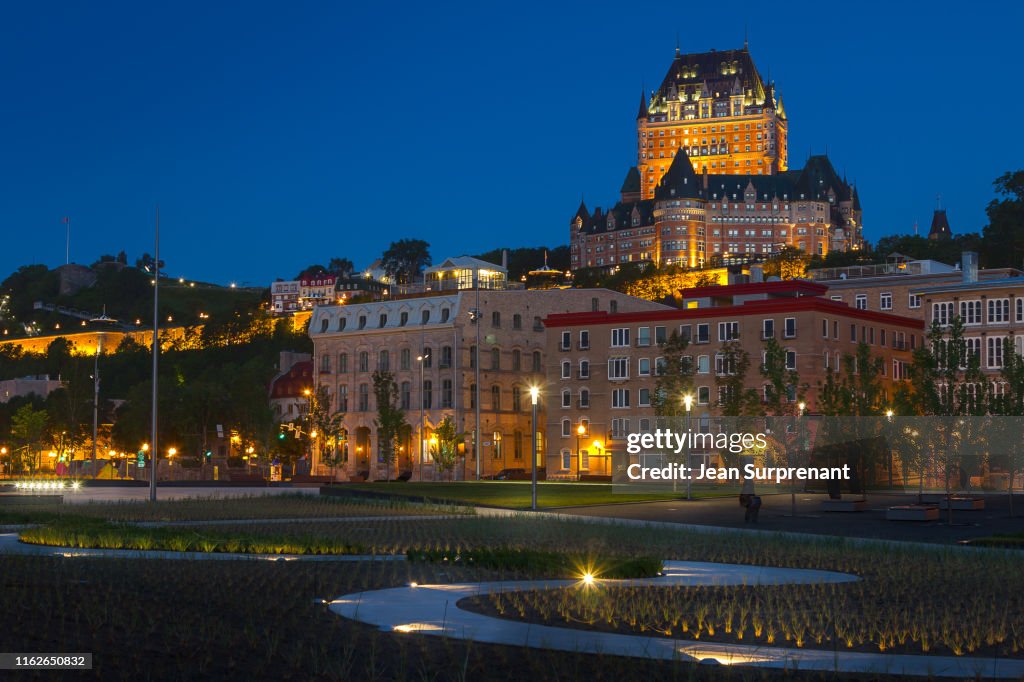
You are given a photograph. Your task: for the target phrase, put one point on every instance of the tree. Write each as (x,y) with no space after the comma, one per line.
(390,420)
(405,259)
(948,384)
(675,376)
(146,263)
(328,427)
(446,451)
(310,271)
(1008,406)
(789,263)
(29,428)
(732,364)
(1003,237)
(342,267)
(783,403)
(850,393)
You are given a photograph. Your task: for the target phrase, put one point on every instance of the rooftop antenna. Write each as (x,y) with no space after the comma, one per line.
(677,43)
(938,202)
(746,42)
(915,228)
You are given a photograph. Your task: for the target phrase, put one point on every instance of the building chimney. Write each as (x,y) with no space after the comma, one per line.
(969,269)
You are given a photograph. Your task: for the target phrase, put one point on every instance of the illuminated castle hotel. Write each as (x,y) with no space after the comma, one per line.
(712,183)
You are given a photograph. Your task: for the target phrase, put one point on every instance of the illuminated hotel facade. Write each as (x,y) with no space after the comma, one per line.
(712,181)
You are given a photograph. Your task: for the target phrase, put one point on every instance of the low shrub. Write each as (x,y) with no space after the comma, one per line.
(533,561)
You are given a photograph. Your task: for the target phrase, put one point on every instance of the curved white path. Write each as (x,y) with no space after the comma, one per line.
(432,610)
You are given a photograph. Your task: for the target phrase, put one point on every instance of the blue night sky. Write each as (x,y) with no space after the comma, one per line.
(278,135)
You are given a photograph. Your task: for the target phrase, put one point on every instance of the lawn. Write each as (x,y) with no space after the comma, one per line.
(514,494)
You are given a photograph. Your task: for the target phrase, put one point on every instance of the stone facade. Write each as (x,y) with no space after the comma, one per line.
(352,341)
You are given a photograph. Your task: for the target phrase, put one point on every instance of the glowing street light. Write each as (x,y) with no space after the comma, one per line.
(687,403)
(534,395)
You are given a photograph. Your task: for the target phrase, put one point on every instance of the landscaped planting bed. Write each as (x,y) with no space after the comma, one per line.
(298,505)
(905,603)
(154,620)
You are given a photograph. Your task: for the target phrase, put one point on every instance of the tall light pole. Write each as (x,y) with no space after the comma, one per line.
(534,394)
(889,415)
(156,353)
(422,360)
(801,406)
(96,385)
(476,317)
(580,432)
(687,403)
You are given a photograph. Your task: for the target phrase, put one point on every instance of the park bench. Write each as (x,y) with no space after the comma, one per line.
(963,503)
(912,512)
(841,505)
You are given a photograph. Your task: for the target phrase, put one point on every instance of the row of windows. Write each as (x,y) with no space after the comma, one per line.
(994,351)
(860,301)
(866,335)
(427,359)
(997,311)
(445,397)
(425,315)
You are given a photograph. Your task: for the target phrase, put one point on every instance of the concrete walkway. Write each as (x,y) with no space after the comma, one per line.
(433,610)
(9,544)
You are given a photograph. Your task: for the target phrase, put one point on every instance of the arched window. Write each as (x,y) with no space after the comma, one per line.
(384,361)
(566,428)
(496,398)
(536,361)
(517,321)
(566,369)
(517,361)
(495,358)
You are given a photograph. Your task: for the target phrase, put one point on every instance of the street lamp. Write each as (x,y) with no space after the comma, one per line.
(581,431)
(687,403)
(534,394)
(422,359)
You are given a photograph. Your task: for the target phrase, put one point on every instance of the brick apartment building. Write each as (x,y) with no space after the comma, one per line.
(891,287)
(991,310)
(602,367)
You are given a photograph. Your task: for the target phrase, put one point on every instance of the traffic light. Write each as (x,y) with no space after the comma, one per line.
(280,436)
(142,459)
(209,455)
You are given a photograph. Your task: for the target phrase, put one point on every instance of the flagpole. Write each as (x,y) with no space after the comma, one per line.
(154,448)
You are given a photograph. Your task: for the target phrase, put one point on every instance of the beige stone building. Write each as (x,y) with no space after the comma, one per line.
(429,344)
(602,366)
